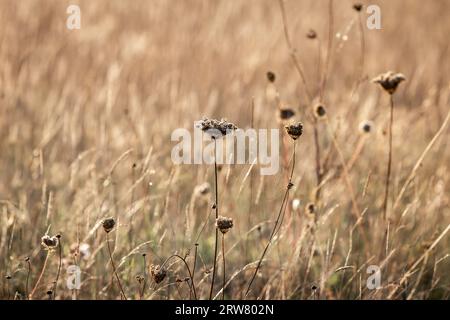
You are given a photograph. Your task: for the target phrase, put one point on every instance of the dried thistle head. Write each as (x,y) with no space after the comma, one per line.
(294,130)
(224,224)
(49,243)
(311,34)
(108,224)
(216,128)
(389,81)
(358,7)
(271,76)
(158,273)
(366,127)
(286,114)
(319,111)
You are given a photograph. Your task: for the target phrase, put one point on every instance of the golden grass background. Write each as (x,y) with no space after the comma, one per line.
(85,124)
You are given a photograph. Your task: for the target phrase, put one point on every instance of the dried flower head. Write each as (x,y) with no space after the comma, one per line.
(319,111)
(49,243)
(108,224)
(366,127)
(311,34)
(202,189)
(286,114)
(294,130)
(140,278)
(271,76)
(310,208)
(158,273)
(358,7)
(215,128)
(389,81)
(224,224)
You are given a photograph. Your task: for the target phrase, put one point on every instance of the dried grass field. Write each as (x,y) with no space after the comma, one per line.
(86,175)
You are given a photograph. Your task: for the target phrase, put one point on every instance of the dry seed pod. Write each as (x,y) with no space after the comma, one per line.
(389,81)
(158,273)
(49,243)
(294,130)
(108,224)
(271,76)
(224,224)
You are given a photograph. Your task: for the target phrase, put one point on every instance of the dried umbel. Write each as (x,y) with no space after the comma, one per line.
(224,224)
(366,127)
(389,81)
(158,273)
(319,111)
(294,130)
(311,34)
(358,7)
(49,243)
(271,76)
(108,224)
(216,128)
(286,114)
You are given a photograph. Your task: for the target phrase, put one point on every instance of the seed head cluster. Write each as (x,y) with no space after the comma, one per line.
(216,128)
(294,130)
(224,224)
(389,81)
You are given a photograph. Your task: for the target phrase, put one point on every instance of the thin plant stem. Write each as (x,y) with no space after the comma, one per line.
(114,267)
(216,204)
(279,218)
(145,276)
(389,164)
(297,64)
(40,276)
(59,268)
(28,277)
(223,258)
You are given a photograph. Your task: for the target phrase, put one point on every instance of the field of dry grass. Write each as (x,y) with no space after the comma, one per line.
(86,118)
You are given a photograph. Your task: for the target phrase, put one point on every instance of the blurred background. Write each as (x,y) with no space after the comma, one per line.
(85,123)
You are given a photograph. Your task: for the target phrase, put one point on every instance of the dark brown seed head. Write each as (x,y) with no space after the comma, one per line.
(389,81)
(108,224)
(8,277)
(49,243)
(286,114)
(294,130)
(311,34)
(224,224)
(311,208)
(271,76)
(319,111)
(366,127)
(139,278)
(158,273)
(358,7)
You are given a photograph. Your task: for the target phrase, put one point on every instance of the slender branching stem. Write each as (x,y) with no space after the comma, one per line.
(275,228)
(114,268)
(192,286)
